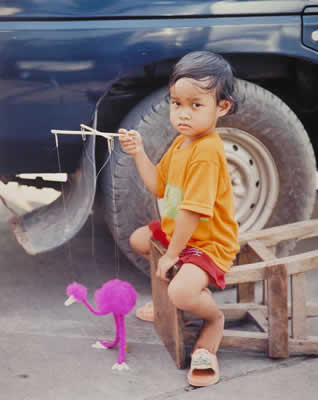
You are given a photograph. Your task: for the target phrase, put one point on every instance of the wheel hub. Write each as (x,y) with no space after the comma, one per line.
(254,176)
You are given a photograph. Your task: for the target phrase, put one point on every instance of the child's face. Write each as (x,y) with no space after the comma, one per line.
(193,109)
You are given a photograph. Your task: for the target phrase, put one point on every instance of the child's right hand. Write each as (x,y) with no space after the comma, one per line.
(131,141)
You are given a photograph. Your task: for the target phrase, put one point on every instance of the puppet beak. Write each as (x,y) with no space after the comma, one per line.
(71,300)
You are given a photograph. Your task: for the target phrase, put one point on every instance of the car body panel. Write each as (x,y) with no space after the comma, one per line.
(47,9)
(53,73)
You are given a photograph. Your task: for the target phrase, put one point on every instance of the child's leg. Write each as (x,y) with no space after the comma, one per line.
(187,292)
(140,241)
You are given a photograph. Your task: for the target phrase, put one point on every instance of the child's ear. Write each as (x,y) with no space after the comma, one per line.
(224,107)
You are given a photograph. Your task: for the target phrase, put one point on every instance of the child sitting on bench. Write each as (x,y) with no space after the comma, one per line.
(197,224)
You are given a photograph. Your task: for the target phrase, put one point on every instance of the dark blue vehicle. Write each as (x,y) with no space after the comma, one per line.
(106,64)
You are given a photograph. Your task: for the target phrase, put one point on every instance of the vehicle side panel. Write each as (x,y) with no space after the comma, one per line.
(53,73)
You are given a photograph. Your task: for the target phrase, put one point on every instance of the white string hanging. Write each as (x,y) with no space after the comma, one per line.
(63,200)
(86,130)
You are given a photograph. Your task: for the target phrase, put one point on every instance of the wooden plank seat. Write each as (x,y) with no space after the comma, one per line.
(256,262)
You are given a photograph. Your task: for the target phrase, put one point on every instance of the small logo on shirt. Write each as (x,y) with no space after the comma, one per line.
(172,198)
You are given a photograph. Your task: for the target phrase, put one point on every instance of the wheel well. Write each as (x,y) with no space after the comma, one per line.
(294,80)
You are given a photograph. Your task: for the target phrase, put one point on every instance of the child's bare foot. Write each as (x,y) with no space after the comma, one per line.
(146,312)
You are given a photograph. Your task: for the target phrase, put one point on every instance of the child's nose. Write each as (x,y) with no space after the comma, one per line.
(184,114)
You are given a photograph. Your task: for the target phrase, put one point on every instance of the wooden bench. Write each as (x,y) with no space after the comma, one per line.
(256,263)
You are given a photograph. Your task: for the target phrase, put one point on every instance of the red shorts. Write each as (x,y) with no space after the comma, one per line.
(191,255)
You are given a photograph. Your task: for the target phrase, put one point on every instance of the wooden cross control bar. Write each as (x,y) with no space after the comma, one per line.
(256,263)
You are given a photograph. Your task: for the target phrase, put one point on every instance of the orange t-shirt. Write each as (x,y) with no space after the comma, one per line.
(196,178)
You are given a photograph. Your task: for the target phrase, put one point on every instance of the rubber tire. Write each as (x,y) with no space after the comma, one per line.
(128,205)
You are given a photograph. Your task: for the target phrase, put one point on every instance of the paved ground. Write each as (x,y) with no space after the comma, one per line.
(45,347)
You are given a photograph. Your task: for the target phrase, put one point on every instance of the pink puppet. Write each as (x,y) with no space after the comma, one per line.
(116,297)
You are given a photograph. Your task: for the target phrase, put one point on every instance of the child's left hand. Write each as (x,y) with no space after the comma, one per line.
(164,264)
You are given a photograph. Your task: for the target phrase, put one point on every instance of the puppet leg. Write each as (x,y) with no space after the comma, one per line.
(101,344)
(122,342)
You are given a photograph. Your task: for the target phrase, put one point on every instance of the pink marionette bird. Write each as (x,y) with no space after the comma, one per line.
(115,296)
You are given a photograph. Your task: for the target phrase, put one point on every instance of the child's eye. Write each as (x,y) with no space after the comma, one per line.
(175,103)
(196,105)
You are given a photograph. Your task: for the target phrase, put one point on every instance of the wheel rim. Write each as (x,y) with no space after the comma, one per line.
(254,176)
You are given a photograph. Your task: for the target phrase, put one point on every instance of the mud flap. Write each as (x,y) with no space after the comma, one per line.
(50,226)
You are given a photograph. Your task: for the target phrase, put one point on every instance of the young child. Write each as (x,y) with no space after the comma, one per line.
(197,224)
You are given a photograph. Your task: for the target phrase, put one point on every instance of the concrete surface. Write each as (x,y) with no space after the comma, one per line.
(46,348)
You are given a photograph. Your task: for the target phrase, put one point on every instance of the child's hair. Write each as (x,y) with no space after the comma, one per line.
(212,70)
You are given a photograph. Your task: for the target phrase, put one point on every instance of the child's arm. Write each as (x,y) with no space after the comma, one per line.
(186,223)
(132,144)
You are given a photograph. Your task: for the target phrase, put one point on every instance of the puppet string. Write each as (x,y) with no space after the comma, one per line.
(92,213)
(117,265)
(109,159)
(63,200)
(86,154)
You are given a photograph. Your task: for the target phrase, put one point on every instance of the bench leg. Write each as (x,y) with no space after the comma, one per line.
(277,297)
(245,292)
(169,321)
(298,306)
